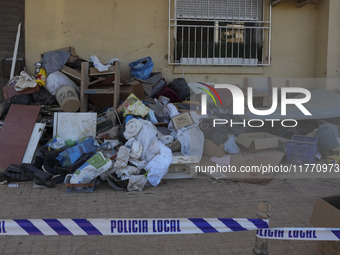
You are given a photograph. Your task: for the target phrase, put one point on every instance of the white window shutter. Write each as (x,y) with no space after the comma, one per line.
(243,10)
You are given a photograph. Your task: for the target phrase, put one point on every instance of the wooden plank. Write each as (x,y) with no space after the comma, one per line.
(16,133)
(117,85)
(9,91)
(100,79)
(84,86)
(98,91)
(71,72)
(299,5)
(33,142)
(275,2)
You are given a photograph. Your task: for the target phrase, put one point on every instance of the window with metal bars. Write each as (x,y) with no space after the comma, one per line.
(219,32)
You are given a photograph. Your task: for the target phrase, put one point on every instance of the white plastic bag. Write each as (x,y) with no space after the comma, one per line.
(57,80)
(230,146)
(192,141)
(159,165)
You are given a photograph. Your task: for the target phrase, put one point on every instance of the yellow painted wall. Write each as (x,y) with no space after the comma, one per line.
(322,39)
(132,29)
(333,56)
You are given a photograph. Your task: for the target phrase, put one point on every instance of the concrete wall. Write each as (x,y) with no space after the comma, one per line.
(133,29)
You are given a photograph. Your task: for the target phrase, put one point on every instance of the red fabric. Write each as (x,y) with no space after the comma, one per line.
(169,93)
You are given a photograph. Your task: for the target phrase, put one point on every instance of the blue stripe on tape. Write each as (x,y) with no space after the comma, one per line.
(259,223)
(87,227)
(203,225)
(58,227)
(29,227)
(336,233)
(232,224)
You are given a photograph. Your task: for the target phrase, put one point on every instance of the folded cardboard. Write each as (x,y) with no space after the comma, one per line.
(326,213)
(257,141)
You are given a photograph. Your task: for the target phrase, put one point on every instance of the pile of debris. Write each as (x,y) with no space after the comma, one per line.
(155,127)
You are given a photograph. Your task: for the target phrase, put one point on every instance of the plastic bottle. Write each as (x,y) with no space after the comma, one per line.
(41,77)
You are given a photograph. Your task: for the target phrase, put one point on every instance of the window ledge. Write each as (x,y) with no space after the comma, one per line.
(217,70)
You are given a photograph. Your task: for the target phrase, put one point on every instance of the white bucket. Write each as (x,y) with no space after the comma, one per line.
(68,99)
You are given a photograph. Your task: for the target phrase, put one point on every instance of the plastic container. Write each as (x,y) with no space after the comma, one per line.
(68,99)
(79,187)
(327,140)
(301,149)
(41,77)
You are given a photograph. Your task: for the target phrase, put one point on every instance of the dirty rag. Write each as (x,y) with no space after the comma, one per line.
(25,81)
(126,173)
(137,182)
(122,157)
(132,128)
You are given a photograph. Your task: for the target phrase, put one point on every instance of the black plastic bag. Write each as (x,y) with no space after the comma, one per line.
(180,86)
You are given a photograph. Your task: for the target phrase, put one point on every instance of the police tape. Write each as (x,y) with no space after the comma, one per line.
(162,226)
(128,226)
(310,234)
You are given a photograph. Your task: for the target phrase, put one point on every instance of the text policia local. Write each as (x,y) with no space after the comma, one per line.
(239,106)
(143,226)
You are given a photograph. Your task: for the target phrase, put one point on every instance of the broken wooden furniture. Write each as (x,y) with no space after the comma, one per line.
(111,78)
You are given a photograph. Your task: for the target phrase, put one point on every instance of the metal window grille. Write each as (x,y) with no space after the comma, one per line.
(219,32)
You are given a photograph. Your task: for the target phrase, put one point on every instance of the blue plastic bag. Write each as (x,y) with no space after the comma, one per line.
(142,68)
(71,155)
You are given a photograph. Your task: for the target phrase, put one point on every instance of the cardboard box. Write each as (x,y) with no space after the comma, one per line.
(72,50)
(334,159)
(134,87)
(151,82)
(182,120)
(326,213)
(257,141)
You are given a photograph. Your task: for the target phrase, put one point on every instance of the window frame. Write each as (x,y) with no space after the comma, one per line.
(262,24)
